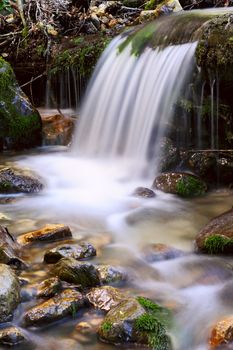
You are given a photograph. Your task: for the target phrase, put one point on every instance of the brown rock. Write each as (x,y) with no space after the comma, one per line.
(49,233)
(57,129)
(222,332)
(105,298)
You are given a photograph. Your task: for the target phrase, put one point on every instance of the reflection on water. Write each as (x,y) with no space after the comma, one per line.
(95,200)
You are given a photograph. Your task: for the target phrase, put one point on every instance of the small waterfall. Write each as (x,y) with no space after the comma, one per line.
(131,99)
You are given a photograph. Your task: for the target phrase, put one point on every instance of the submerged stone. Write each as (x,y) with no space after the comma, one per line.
(143,192)
(9,292)
(17,115)
(111,274)
(48,233)
(73,271)
(67,303)
(159,252)
(217,236)
(77,251)
(105,298)
(12,181)
(12,336)
(49,288)
(182,184)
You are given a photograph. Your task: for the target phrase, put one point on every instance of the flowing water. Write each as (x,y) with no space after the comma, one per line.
(129,103)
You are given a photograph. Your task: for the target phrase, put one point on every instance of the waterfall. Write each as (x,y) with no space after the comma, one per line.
(130,100)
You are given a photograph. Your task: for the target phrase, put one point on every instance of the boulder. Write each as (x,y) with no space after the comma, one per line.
(57,129)
(48,288)
(159,252)
(12,181)
(48,233)
(143,192)
(222,333)
(9,292)
(111,274)
(182,184)
(217,236)
(77,251)
(73,271)
(105,298)
(12,336)
(67,303)
(17,115)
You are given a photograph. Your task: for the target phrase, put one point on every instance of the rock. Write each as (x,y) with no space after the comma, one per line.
(111,274)
(49,288)
(159,252)
(170,156)
(67,303)
(217,236)
(57,129)
(222,332)
(17,115)
(130,322)
(12,336)
(105,298)
(48,233)
(77,251)
(182,184)
(11,181)
(73,271)
(143,192)
(9,292)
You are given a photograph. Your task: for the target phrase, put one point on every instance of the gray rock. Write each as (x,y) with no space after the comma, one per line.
(111,274)
(143,192)
(65,304)
(77,251)
(73,271)
(159,252)
(105,298)
(9,292)
(11,181)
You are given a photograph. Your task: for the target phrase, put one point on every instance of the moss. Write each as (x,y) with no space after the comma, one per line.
(218,244)
(190,186)
(151,4)
(106,326)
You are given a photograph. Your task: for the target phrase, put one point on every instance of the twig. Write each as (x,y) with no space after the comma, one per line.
(33,79)
(9,34)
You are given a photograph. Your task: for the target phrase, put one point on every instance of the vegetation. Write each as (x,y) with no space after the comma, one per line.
(106,326)
(189,186)
(218,244)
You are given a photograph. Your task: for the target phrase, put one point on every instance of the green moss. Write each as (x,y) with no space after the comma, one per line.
(151,4)
(106,326)
(40,50)
(218,244)
(190,186)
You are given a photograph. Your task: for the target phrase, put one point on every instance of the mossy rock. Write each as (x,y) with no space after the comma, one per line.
(217,236)
(182,184)
(20,123)
(139,322)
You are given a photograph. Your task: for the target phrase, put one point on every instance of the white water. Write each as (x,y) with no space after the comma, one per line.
(130,100)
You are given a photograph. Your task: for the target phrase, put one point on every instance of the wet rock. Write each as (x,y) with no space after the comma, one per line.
(170,155)
(217,236)
(159,252)
(111,274)
(17,115)
(143,192)
(130,322)
(105,298)
(9,292)
(11,181)
(12,336)
(57,130)
(49,288)
(77,251)
(182,184)
(222,333)
(48,233)
(73,271)
(67,303)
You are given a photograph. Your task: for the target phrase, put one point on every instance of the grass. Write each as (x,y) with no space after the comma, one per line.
(218,244)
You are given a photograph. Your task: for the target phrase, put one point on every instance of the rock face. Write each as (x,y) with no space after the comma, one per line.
(9,292)
(105,298)
(49,233)
(182,184)
(17,116)
(62,305)
(13,182)
(222,333)
(57,130)
(73,271)
(11,336)
(111,274)
(217,236)
(160,252)
(77,251)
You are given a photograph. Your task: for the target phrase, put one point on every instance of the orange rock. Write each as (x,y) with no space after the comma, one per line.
(57,129)
(222,332)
